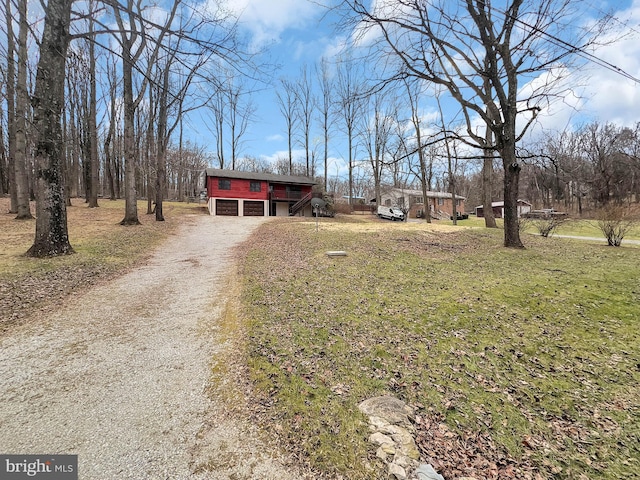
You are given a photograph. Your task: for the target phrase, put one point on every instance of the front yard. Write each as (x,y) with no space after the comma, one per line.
(520,364)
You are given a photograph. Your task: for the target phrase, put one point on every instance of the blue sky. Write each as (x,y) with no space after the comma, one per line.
(299,32)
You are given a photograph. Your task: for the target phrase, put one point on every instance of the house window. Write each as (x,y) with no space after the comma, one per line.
(255,186)
(440,201)
(458,202)
(224,184)
(387,202)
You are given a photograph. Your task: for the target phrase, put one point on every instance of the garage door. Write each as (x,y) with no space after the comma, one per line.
(253,209)
(227,207)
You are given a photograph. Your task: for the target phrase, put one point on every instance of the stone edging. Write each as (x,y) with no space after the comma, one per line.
(392,432)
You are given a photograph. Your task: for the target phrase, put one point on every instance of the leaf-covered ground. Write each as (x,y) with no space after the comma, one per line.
(103,249)
(520,363)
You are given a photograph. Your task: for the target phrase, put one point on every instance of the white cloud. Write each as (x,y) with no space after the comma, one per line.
(275,138)
(608,96)
(266,20)
(335,48)
(297,155)
(594,92)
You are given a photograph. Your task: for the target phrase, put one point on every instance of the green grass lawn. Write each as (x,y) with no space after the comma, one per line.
(574,227)
(530,359)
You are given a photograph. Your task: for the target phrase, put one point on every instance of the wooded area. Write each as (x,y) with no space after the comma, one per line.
(113,81)
(118,125)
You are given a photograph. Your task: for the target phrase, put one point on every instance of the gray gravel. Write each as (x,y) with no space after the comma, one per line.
(118,376)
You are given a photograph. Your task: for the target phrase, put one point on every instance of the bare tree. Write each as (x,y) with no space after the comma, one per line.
(73,123)
(449,145)
(603,147)
(324,106)
(241,111)
(487,184)
(133,39)
(110,149)
(51,236)
(4,181)
(232,111)
(460,46)
(376,132)
(487,161)
(287,100)
(11,112)
(171,103)
(349,89)
(414,92)
(305,105)
(94,166)
(217,106)
(21,111)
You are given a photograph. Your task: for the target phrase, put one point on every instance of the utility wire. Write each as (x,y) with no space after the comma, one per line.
(575,49)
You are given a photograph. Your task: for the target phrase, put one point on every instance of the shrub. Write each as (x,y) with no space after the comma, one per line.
(343,208)
(523,224)
(615,221)
(547,226)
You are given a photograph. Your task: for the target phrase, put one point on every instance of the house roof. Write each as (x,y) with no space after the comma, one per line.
(269,177)
(501,204)
(418,193)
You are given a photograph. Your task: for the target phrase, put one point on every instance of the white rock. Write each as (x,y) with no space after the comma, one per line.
(396,471)
(381,454)
(427,472)
(380,439)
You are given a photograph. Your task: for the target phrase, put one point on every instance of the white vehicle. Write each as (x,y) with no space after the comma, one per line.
(390,213)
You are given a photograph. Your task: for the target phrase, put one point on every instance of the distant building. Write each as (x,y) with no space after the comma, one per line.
(440,204)
(498,209)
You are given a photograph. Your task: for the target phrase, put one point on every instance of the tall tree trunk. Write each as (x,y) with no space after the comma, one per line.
(424,182)
(130,196)
(350,147)
(3,159)
(85,142)
(487,188)
(11,112)
(117,165)
(487,165)
(93,129)
(148,149)
(163,141)
(22,104)
(66,163)
(110,141)
(72,148)
(511,183)
(452,184)
(180,174)
(108,156)
(51,236)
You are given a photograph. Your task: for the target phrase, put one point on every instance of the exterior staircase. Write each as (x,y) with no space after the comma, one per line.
(300,204)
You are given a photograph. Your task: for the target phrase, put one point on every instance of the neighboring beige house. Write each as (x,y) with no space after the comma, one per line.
(439,203)
(498,209)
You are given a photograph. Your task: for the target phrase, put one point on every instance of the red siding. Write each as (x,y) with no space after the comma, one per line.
(240,188)
(280,191)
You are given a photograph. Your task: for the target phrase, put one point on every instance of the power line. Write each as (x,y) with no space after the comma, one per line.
(580,51)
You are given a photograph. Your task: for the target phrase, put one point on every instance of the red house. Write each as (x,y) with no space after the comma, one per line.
(244,194)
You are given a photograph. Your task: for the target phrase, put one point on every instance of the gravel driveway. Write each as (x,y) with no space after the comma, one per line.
(119,375)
